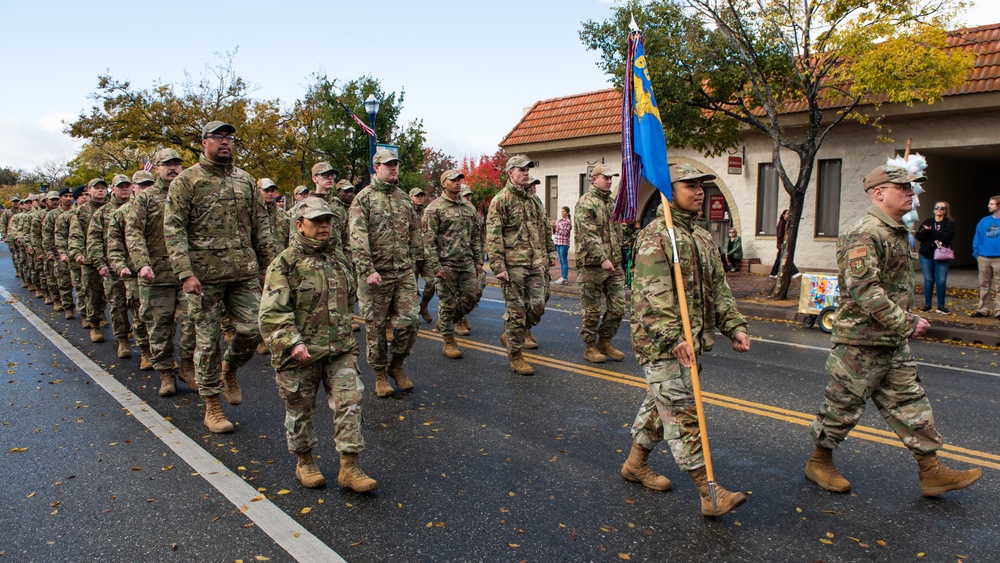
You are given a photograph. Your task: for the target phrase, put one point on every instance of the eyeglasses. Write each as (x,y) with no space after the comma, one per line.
(900,187)
(220,138)
(939,208)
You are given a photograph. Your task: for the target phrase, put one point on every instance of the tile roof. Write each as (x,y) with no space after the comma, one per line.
(599,112)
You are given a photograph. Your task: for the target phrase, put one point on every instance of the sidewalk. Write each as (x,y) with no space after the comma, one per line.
(753,291)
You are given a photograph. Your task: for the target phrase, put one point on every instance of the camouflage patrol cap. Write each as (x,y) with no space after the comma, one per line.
(887,174)
(534,181)
(216,127)
(267,184)
(601,170)
(416,191)
(95,181)
(120,179)
(385,156)
(311,208)
(451,175)
(52,195)
(300,190)
(465,190)
(323,168)
(165,155)
(345,185)
(14,199)
(688,173)
(31,197)
(142,177)
(520,161)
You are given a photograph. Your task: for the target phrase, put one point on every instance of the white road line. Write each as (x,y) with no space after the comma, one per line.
(283,529)
(926,364)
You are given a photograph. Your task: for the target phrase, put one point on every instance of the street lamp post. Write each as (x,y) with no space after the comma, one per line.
(371,106)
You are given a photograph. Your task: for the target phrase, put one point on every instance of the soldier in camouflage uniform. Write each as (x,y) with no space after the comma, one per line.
(35,248)
(598,255)
(61,239)
(341,206)
(59,276)
(219,238)
(306,323)
(279,219)
(162,303)
(454,253)
(19,228)
(5,217)
(871,355)
(462,326)
(520,251)
(123,269)
(668,410)
(386,244)
(47,249)
(97,253)
(419,199)
(90,279)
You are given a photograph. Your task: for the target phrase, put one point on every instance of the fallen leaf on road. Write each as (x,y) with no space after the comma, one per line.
(513,545)
(261,558)
(826,541)
(625,556)
(284,492)
(18,450)
(306,510)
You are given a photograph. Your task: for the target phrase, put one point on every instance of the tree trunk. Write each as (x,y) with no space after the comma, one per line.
(795,205)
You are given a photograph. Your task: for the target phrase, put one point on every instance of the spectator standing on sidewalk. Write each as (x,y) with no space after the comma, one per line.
(934,233)
(986,251)
(560,234)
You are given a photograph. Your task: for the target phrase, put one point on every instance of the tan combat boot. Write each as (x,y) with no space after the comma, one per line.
(425,314)
(48,299)
(215,417)
(592,354)
(145,358)
(398,375)
(936,479)
(724,500)
(637,470)
(519,366)
(57,307)
(96,335)
(230,387)
(821,470)
(187,373)
(609,350)
(462,327)
(450,349)
(168,383)
(382,386)
(503,341)
(307,472)
(262,349)
(84,322)
(529,341)
(124,349)
(70,314)
(39,293)
(352,477)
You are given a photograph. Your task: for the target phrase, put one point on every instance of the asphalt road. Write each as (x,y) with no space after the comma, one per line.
(476,464)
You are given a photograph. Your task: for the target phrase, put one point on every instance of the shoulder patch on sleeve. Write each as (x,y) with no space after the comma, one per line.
(859,252)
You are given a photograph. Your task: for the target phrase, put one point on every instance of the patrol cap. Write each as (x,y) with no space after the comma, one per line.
(534,181)
(465,190)
(95,181)
(323,168)
(301,190)
(345,185)
(384,156)
(120,179)
(142,177)
(600,170)
(65,191)
(31,197)
(688,173)
(451,175)
(267,184)
(312,207)
(52,195)
(14,199)
(887,174)
(165,155)
(416,191)
(78,191)
(216,127)
(520,161)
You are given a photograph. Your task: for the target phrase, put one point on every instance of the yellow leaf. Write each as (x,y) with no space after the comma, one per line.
(921,554)
(306,510)
(284,492)
(625,556)
(32,494)
(513,545)
(430,524)
(799,510)
(882,543)
(261,558)
(18,450)
(510,494)
(167,468)
(319,501)
(349,505)
(440,524)
(399,504)
(829,535)
(296,534)
(257,498)
(826,541)
(428,423)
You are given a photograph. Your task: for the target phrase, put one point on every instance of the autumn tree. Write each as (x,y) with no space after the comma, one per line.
(485,175)
(722,67)
(435,163)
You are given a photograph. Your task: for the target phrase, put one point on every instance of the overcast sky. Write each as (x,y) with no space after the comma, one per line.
(468,68)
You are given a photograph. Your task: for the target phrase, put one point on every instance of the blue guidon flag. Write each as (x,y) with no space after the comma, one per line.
(644,148)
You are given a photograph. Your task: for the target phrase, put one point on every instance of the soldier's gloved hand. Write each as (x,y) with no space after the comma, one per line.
(125,273)
(374,280)
(741,342)
(684,354)
(147,273)
(104,272)
(191,285)
(922,326)
(300,353)
(607,266)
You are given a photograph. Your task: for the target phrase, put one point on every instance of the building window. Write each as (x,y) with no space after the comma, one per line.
(552,196)
(584,184)
(828,198)
(767,199)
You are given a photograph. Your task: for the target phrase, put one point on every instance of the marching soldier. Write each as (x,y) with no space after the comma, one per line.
(59,276)
(279,219)
(70,266)
(462,326)
(341,223)
(37,250)
(419,199)
(97,252)
(90,279)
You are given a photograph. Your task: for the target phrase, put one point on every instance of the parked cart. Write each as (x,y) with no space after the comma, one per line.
(818,300)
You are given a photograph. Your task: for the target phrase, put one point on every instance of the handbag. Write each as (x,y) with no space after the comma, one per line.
(943,253)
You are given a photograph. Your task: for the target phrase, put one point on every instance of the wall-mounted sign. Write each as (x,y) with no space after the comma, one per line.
(736,165)
(717,207)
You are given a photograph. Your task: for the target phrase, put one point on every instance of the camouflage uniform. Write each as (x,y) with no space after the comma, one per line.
(118,259)
(342,230)
(15,241)
(59,277)
(97,253)
(162,303)
(217,229)
(453,245)
(430,282)
(668,410)
(281,226)
(305,301)
(598,239)
(518,242)
(871,355)
(90,280)
(385,238)
(71,267)
(37,259)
